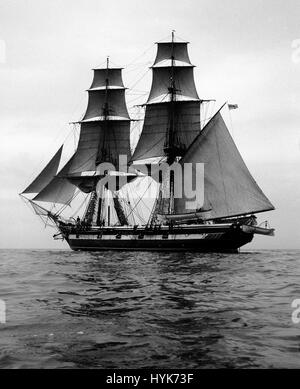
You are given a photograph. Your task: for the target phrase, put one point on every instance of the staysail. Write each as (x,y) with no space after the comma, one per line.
(59,190)
(171,67)
(229,188)
(46,175)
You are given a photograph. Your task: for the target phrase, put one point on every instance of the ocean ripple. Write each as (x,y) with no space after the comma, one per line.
(149,310)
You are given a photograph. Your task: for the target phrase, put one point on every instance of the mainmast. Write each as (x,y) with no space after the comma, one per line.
(172,117)
(104,152)
(106,112)
(170,148)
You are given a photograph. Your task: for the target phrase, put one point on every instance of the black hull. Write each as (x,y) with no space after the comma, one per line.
(196,246)
(198,239)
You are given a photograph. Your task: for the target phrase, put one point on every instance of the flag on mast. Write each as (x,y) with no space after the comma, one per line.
(232,106)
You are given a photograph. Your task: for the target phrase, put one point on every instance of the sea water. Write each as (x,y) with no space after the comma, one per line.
(64,309)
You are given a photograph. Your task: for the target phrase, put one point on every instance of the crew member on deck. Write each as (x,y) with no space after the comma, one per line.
(253,220)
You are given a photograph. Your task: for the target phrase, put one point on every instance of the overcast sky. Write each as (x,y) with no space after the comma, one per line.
(243,52)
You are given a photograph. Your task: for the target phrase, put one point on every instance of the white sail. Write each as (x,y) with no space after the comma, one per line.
(229,188)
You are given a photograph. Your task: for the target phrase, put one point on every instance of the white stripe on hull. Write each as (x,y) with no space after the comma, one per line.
(146,237)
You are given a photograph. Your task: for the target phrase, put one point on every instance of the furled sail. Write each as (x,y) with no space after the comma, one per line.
(46,174)
(59,190)
(229,188)
(173,89)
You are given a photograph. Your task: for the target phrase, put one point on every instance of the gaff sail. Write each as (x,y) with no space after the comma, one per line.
(229,188)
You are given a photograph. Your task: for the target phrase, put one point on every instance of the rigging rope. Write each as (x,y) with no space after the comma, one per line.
(80,206)
(136,82)
(141,55)
(140,198)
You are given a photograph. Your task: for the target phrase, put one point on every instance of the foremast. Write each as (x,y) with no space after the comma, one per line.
(108,152)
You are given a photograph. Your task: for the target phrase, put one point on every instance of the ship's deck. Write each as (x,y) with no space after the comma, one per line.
(156,230)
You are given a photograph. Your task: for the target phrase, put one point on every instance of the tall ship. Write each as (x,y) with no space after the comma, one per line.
(184,186)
